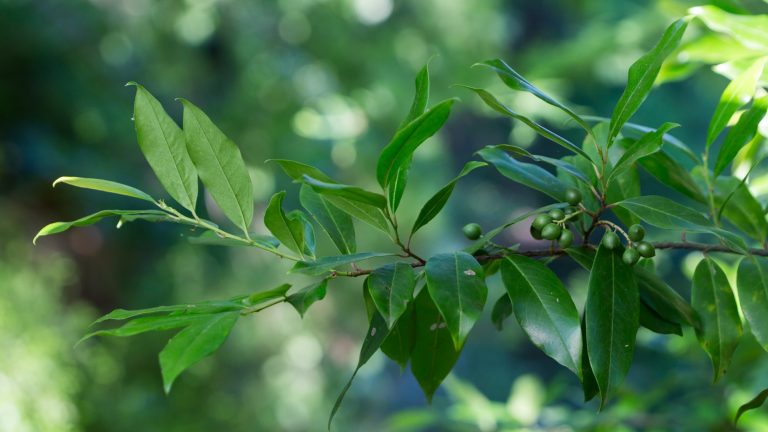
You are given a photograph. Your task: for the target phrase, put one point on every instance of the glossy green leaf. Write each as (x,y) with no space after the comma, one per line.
(736,94)
(146,324)
(516,81)
(642,75)
(588,381)
(496,105)
(434,352)
(665,301)
(562,164)
(308,232)
(213,306)
(654,322)
(502,310)
(210,238)
(290,231)
(455,283)
(163,144)
(220,166)
(741,133)
(544,309)
(371,215)
(435,204)
(526,174)
(418,106)
(627,185)
(400,150)
(336,223)
(104,186)
(194,343)
(713,300)
(647,144)
(333,263)
(752,286)
(665,213)
(666,170)
(374,337)
(399,342)
(270,294)
(307,296)
(611,320)
(756,402)
(125,215)
(741,209)
(744,28)
(352,193)
(391,289)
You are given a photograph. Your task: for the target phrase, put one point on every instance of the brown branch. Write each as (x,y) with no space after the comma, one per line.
(702,247)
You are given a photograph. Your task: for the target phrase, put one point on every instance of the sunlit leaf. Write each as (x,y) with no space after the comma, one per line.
(741,133)
(642,75)
(646,145)
(336,223)
(220,166)
(163,144)
(105,186)
(744,28)
(58,227)
(290,231)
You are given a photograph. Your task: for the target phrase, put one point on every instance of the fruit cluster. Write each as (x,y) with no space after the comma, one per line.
(553,225)
(635,249)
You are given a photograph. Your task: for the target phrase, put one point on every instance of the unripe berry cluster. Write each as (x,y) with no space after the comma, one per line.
(635,249)
(553,225)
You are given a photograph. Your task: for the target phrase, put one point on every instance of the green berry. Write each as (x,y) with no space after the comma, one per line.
(611,240)
(636,232)
(566,239)
(646,249)
(556,214)
(573,196)
(551,231)
(541,221)
(630,256)
(569,211)
(472,231)
(536,233)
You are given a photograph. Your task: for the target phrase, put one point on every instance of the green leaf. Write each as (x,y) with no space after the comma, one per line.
(194,343)
(297,170)
(147,324)
(191,308)
(635,131)
(220,166)
(544,309)
(664,300)
(752,286)
(648,144)
(418,106)
(434,353)
(526,174)
(374,337)
(308,232)
(741,133)
(455,283)
(163,144)
(270,294)
(290,231)
(642,75)
(399,343)
(622,187)
(391,289)
(744,28)
(400,150)
(665,213)
(516,81)
(562,164)
(713,300)
(611,320)
(588,381)
(352,193)
(105,186)
(210,238)
(130,215)
(307,296)
(435,204)
(336,223)
(661,166)
(654,322)
(496,105)
(502,310)
(333,263)
(738,93)
(756,402)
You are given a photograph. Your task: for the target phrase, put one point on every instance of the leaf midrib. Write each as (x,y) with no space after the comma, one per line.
(170,153)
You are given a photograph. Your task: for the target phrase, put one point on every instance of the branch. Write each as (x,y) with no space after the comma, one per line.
(702,247)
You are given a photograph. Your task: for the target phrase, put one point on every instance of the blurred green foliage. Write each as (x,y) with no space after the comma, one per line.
(325,81)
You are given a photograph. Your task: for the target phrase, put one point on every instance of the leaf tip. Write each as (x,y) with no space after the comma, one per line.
(133,83)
